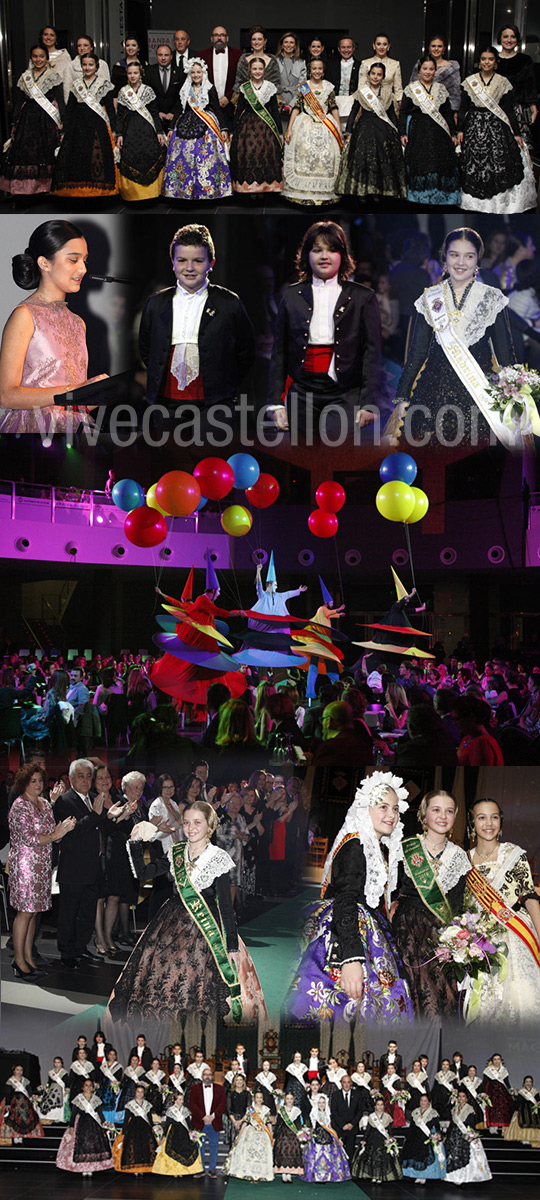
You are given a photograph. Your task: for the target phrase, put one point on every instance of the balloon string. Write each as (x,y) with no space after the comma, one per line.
(339,572)
(408,539)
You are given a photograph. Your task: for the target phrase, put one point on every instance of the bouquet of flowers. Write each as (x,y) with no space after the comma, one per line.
(515,393)
(304,1135)
(196,1135)
(471,948)
(157,1131)
(484,1099)
(392,1147)
(471,1135)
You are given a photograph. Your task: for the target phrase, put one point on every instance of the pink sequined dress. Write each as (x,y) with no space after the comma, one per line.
(30,865)
(56,355)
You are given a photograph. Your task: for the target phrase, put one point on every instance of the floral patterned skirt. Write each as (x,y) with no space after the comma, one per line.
(315,993)
(196,169)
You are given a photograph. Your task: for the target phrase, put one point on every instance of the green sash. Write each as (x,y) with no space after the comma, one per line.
(260,109)
(213,935)
(288,1121)
(425,881)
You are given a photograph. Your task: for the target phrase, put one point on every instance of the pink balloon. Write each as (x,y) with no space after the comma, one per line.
(323,524)
(330,496)
(215,478)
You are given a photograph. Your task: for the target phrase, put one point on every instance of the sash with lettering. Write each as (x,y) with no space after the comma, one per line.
(376,104)
(475,84)
(84,94)
(208,117)
(426,102)
(425,880)
(259,108)
(132,100)
(35,93)
(89,1105)
(213,934)
(494,904)
(464,364)
(420,1119)
(318,112)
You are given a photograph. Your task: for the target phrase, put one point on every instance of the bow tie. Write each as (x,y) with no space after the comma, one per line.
(207,1085)
(220,49)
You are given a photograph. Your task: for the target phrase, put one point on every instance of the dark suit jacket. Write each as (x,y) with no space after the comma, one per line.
(181,73)
(196,1104)
(357,340)
(171,1063)
(146,1059)
(79,861)
(333,74)
(342,1114)
(165,100)
(234,58)
(383,1065)
(226,343)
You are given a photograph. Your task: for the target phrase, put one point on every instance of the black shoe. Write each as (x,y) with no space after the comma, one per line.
(87,956)
(25,976)
(68,964)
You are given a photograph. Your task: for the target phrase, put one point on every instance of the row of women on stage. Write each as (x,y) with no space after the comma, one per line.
(356,965)
(90,148)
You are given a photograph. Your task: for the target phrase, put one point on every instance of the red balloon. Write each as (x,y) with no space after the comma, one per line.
(178,493)
(145,527)
(264,492)
(215,477)
(330,496)
(323,524)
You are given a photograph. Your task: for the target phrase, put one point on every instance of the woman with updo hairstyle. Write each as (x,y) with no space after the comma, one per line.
(459,319)
(36,128)
(43,352)
(430,895)
(189,958)
(132,55)
(86,45)
(518,69)
(428,135)
(59,59)
(447,73)
(496,171)
(257,41)
(511,900)
(86,162)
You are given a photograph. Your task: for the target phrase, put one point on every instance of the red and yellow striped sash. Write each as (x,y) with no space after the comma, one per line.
(494,904)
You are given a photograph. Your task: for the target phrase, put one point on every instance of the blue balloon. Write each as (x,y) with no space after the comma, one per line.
(398,467)
(246,470)
(127,495)
(203,500)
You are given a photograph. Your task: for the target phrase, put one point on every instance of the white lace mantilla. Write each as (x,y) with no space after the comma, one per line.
(145,94)
(478,313)
(212,863)
(263,93)
(45,83)
(498,1074)
(454,863)
(498,87)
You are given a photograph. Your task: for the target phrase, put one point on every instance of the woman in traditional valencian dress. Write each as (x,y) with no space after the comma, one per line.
(135,1147)
(372,160)
(443,1092)
(288,1159)
(178,1153)
(296,1078)
(256,146)
(428,133)
(251,1155)
(525,1123)
(52,1104)
(430,895)
(85,1147)
(81,1071)
(140,139)
(59,58)
(417,1085)
(422,1154)
(110,1079)
(21,1119)
(313,142)
(496,171)
(394,1104)
(197,166)
(85,165)
(176,966)
(496,1086)
(501,885)
(351,968)
(38,111)
(325,1160)
(377,1158)
(461,333)
(466,1160)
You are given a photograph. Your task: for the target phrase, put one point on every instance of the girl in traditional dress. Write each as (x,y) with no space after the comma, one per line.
(460,321)
(52,1104)
(134,1074)
(38,111)
(417,1085)
(296,1078)
(111,1074)
(501,884)
(390,1085)
(21,1119)
(377,1159)
(350,967)
(313,142)
(239,1099)
(361,1079)
(140,139)
(496,170)
(267,1081)
(134,1150)
(59,59)
(496,1086)
(430,895)
(525,1124)
(372,160)
(427,129)
(177,1081)
(81,1070)
(251,1155)
(155,1087)
(325,1160)
(85,165)
(447,73)
(422,1154)
(178,964)
(197,166)
(178,1153)
(444,1090)
(85,1147)
(288,1158)
(473,1083)
(334,1075)
(256,147)
(466,1160)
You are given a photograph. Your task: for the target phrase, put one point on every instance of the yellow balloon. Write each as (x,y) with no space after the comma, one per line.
(395,500)
(152,502)
(236,520)
(421,505)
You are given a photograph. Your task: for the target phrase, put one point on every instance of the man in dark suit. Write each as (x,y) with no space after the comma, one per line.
(208,1101)
(181,54)
(327,345)
(165,79)
(195,339)
(79,867)
(174,1057)
(347,1109)
(222,61)
(390,1059)
(345,742)
(143,1052)
(343,70)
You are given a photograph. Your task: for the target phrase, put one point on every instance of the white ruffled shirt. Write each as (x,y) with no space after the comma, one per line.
(188,309)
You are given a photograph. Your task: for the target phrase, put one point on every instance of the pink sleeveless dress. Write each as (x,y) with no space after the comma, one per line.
(56,355)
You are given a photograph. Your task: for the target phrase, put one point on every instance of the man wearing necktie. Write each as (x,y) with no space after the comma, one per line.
(79,867)
(222,61)
(346,1110)
(181,53)
(164,77)
(208,1101)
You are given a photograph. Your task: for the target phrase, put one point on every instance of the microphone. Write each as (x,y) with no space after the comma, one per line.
(109,279)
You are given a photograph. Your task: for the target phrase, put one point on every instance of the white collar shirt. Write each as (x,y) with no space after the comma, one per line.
(221,65)
(326,293)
